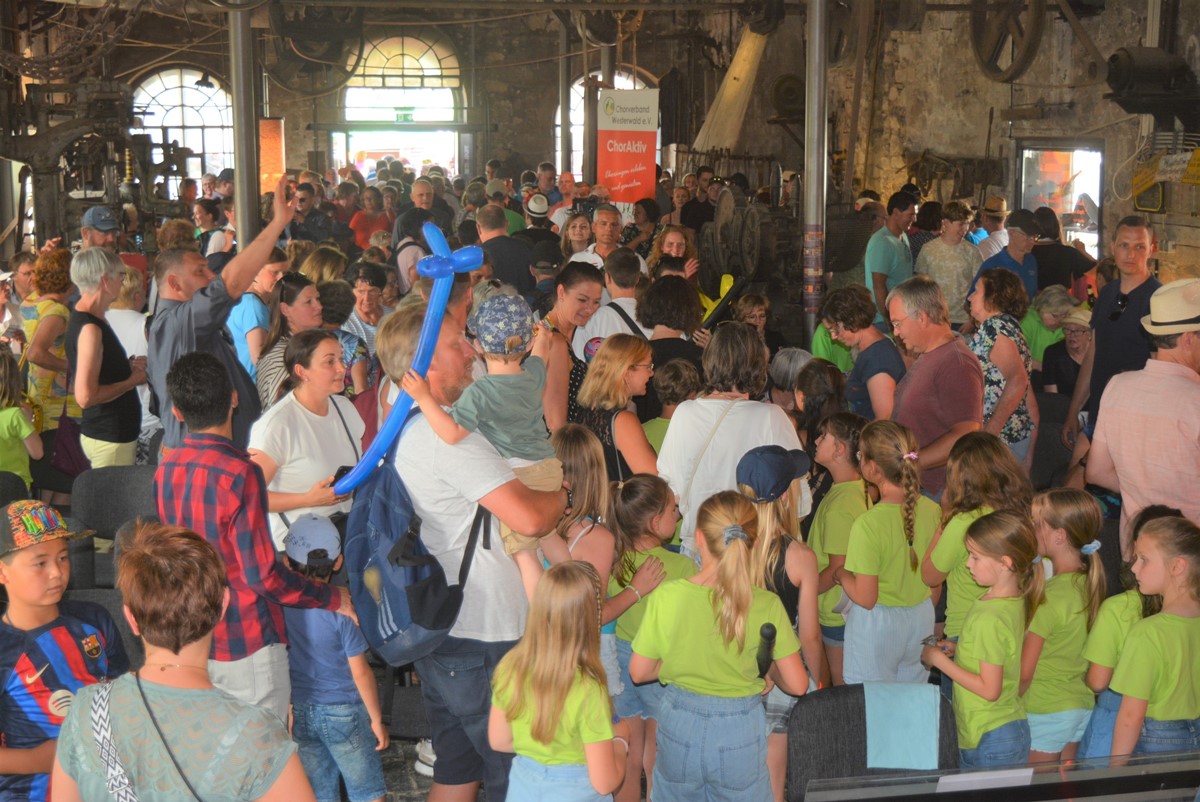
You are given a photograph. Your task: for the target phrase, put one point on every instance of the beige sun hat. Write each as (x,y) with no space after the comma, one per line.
(1174,308)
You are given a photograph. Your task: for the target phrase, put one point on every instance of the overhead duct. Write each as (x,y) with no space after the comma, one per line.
(723,123)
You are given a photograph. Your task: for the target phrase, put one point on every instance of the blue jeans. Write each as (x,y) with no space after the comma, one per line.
(1097,738)
(635,700)
(1168,736)
(456,684)
(531,781)
(711,748)
(333,739)
(1007,745)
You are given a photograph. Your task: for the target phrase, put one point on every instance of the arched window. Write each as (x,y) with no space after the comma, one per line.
(187,106)
(405,79)
(621,80)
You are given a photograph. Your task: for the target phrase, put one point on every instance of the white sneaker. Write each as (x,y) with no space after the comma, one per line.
(423,765)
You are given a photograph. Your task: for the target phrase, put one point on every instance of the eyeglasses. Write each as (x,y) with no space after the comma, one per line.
(1122,302)
(896,321)
(646,365)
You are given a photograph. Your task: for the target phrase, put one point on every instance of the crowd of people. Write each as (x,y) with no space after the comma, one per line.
(664,491)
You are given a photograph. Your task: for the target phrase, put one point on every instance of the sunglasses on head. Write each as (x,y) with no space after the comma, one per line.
(1122,302)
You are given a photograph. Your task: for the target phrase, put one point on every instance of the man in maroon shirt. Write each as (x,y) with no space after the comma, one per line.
(940,398)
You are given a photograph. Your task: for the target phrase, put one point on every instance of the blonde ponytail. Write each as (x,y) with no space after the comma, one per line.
(1079,515)
(729,524)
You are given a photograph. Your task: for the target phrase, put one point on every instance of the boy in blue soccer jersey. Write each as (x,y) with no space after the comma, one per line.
(49,648)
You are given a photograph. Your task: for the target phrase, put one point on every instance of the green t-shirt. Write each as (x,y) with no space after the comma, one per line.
(824,347)
(680,629)
(950,557)
(878,548)
(993,632)
(1159,665)
(1117,616)
(656,430)
(1061,620)
(586,719)
(14,428)
(830,534)
(675,566)
(1037,336)
(506,408)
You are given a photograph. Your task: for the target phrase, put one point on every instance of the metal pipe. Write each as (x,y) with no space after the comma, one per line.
(589,119)
(564,95)
(11,244)
(815,164)
(245,125)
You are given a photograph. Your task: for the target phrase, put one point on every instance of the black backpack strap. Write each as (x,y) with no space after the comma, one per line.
(634,328)
(482,517)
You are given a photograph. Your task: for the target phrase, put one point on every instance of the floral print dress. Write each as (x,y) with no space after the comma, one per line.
(1020,424)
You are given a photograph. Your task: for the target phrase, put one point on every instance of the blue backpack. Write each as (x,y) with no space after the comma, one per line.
(405,607)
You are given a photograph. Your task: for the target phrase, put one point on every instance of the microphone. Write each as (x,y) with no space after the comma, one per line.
(766,649)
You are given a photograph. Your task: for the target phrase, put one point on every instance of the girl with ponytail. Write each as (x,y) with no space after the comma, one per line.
(985,663)
(1053,669)
(891,610)
(702,638)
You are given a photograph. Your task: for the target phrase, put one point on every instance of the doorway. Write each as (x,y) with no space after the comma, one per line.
(1069,178)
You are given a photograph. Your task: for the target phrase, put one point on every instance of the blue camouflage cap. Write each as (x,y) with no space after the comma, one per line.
(498,320)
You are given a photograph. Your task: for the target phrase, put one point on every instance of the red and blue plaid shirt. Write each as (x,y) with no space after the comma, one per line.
(210,486)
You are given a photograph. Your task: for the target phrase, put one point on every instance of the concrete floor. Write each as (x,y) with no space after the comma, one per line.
(403,783)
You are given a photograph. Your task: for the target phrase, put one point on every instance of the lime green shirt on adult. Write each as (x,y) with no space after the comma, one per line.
(993,632)
(1159,665)
(950,557)
(824,347)
(675,566)
(1037,336)
(586,719)
(830,534)
(879,548)
(1117,616)
(1061,620)
(680,629)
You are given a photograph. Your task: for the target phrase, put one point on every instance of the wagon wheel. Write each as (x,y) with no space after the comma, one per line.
(712,261)
(1001,27)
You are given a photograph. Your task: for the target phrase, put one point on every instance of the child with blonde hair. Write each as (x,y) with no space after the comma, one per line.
(588,538)
(982,476)
(847,499)
(1106,642)
(549,703)
(642,518)
(770,476)
(1057,700)
(892,611)
(1157,676)
(19,439)
(703,638)
(985,663)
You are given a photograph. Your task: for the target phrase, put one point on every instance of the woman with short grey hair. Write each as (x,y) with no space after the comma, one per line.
(105,378)
(785,367)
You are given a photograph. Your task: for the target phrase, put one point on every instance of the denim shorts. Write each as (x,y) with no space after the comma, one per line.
(635,700)
(337,739)
(1097,738)
(778,707)
(1050,732)
(711,748)
(884,644)
(531,781)
(1007,745)
(1168,736)
(834,637)
(456,684)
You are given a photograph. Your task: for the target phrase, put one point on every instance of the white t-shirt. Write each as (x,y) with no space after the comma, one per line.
(993,244)
(606,322)
(307,448)
(445,483)
(594,259)
(130,328)
(748,424)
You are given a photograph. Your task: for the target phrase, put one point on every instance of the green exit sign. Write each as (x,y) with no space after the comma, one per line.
(404,115)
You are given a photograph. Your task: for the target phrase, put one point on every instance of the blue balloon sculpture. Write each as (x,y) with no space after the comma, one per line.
(440,266)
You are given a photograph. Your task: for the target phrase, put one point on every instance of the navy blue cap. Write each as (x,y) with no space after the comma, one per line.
(770,470)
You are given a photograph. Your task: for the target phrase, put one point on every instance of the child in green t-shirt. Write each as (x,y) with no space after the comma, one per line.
(675,382)
(1106,642)
(847,499)
(985,663)
(505,406)
(1157,673)
(702,638)
(643,516)
(549,703)
(892,612)
(19,440)
(1057,699)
